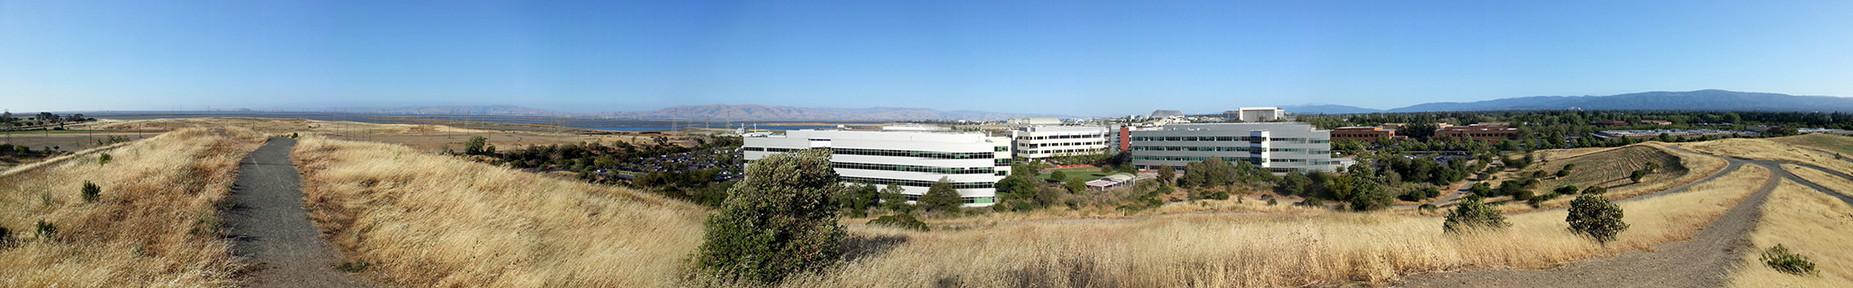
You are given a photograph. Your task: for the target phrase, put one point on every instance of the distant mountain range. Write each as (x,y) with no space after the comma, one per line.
(710,112)
(1702,100)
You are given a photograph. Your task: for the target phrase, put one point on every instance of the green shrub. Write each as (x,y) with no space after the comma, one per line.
(780,220)
(6,238)
(1781,259)
(1597,217)
(941,197)
(900,221)
(1428,207)
(103,159)
(1471,215)
(1597,190)
(1637,175)
(1272,202)
(91,191)
(47,230)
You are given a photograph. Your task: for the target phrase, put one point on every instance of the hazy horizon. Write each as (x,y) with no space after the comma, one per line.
(1080,58)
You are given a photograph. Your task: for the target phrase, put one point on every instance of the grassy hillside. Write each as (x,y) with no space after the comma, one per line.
(1769,150)
(1809,223)
(154,223)
(1823,142)
(424,220)
(1294,247)
(1609,168)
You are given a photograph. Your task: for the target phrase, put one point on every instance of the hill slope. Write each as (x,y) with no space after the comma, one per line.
(1702,100)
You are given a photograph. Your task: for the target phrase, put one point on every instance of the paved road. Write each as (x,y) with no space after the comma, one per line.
(1704,261)
(271,228)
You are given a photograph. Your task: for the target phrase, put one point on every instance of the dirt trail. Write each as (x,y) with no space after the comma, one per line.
(1704,261)
(271,228)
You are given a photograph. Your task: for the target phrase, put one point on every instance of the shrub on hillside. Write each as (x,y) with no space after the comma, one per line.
(47,230)
(104,159)
(900,221)
(1597,190)
(1471,214)
(91,191)
(1781,259)
(6,238)
(941,197)
(1597,217)
(777,222)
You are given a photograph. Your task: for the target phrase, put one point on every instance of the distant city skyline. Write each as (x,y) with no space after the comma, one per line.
(1056,57)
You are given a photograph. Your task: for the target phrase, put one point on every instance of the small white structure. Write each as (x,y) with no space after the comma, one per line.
(1035,121)
(1256,114)
(1111,181)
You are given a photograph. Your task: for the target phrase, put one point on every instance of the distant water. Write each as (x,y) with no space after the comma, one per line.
(579,123)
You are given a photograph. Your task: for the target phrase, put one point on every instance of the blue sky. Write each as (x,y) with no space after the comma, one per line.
(1067,57)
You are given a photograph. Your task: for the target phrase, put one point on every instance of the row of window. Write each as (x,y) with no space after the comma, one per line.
(915,183)
(1227,139)
(885,152)
(1230,149)
(913,168)
(968,200)
(1061,151)
(1231,159)
(1080,136)
(1040,145)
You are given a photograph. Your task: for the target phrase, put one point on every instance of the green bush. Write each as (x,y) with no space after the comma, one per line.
(103,159)
(47,230)
(1471,214)
(1597,190)
(91,191)
(941,197)
(900,221)
(780,220)
(1781,259)
(1597,217)
(6,238)
(1427,207)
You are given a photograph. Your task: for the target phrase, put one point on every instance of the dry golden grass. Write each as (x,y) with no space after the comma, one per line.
(1769,150)
(154,224)
(1823,142)
(428,220)
(1809,223)
(1291,247)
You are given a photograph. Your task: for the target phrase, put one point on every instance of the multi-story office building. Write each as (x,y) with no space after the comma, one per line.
(974,162)
(1041,142)
(1366,134)
(1478,132)
(1277,146)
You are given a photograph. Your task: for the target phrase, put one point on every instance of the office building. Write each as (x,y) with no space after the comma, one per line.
(1478,133)
(1255,114)
(974,162)
(1041,142)
(1366,134)
(1277,146)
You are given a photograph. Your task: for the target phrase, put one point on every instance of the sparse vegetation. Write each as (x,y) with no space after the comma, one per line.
(905,221)
(1781,259)
(91,192)
(141,236)
(1471,215)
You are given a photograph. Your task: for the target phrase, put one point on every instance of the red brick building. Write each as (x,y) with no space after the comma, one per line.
(1366,134)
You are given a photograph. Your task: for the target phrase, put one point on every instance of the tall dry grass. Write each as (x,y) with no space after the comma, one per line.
(154,224)
(1769,150)
(428,220)
(1809,223)
(1299,247)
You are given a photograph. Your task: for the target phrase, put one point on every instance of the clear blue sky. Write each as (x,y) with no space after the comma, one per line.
(1081,58)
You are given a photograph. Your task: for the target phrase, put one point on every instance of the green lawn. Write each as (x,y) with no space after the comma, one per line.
(1082,174)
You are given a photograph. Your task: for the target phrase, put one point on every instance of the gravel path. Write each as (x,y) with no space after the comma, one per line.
(271,228)
(1704,261)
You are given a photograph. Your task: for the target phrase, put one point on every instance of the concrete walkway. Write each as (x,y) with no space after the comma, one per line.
(271,228)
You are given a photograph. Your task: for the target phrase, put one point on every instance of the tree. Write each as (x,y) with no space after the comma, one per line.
(1293,183)
(941,196)
(1059,176)
(1165,174)
(1075,186)
(893,199)
(1596,217)
(1562,173)
(1472,215)
(1368,197)
(1566,190)
(777,222)
(475,145)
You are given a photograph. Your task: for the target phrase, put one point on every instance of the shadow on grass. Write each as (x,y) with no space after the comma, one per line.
(859,247)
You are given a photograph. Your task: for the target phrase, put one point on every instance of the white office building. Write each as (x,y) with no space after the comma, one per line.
(1256,114)
(1277,146)
(1041,142)
(974,162)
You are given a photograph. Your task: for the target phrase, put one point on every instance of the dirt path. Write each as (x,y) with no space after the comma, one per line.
(1704,261)
(271,228)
